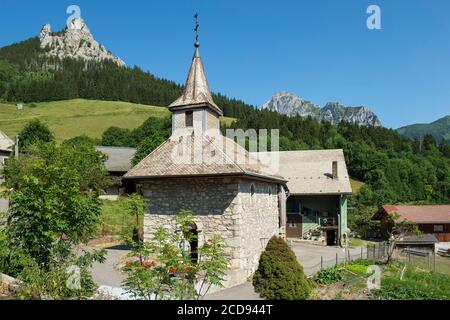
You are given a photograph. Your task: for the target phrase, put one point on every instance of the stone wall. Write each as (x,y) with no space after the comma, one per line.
(223,207)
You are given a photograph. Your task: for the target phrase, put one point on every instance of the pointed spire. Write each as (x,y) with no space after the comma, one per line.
(196,91)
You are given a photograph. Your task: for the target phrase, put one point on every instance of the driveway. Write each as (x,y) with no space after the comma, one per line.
(108,273)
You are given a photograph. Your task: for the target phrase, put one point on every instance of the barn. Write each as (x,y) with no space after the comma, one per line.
(430,219)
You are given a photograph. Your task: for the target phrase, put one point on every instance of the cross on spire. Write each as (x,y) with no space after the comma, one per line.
(197,44)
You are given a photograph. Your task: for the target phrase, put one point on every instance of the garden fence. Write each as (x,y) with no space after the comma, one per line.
(371,252)
(424,260)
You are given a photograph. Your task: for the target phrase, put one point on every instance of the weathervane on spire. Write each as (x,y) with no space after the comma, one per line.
(197,44)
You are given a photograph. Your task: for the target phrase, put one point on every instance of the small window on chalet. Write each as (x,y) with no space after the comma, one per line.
(189,119)
(438,228)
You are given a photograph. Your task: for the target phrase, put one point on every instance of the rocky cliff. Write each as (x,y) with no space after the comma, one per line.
(75,42)
(292,105)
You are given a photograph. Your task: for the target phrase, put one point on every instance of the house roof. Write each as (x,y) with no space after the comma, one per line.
(421,239)
(310,172)
(200,155)
(196,91)
(417,214)
(6,143)
(119,159)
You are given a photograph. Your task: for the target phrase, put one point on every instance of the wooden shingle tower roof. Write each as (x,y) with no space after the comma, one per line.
(196,92)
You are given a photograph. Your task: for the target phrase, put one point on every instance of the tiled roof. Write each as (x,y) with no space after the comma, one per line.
(119,159)
(418,214)
(200,156)
(310,172)
(5,142)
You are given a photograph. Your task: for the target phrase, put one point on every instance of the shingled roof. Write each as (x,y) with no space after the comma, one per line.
(310,172)
(200,155)
(417,214)
(119,159)
(196,91)
(6,143)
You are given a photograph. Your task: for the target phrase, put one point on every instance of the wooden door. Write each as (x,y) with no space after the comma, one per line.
(294,226)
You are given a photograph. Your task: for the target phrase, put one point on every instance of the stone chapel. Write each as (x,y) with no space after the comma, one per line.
(232,194)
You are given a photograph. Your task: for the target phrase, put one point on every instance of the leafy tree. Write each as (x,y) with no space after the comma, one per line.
(49,205)
(160,269)
(397,229)
(279,275)
(136,205)
(34,132)
(80,153)
(66,277)
(117,137)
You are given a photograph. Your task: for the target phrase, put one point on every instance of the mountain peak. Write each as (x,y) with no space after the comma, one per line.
(334,112)
(75,42)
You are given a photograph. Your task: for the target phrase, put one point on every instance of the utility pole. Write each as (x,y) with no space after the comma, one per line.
(16,147)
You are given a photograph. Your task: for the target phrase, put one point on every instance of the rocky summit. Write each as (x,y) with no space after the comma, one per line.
(75,42)
(292,105)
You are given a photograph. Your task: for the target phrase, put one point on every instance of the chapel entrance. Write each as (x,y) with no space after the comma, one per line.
(194,242)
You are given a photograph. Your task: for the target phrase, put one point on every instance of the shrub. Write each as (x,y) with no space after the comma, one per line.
(329,275)
(356,268)
(395,289)
(279,275)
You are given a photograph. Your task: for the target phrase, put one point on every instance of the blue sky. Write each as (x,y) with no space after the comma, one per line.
(318,49)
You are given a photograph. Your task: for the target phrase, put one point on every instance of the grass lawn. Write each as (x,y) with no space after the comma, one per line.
(356,242)
(115,221)
(356,185)
(71,118)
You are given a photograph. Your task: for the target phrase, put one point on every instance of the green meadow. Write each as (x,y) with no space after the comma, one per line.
(71,118)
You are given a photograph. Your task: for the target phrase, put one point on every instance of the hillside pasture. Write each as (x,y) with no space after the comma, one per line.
(71,118)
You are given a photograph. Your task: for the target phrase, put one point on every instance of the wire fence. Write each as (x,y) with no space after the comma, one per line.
(346,256)
(425,260)
(376,251)
(429,261)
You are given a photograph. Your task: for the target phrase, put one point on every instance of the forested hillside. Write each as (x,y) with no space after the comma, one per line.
(440,129)
(26,75)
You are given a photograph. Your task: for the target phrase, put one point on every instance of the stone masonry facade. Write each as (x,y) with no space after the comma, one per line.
(244,212)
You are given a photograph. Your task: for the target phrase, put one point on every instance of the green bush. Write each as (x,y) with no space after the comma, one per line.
(329,275)
(279,275)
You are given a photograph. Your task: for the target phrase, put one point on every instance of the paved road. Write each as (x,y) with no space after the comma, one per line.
(108,273)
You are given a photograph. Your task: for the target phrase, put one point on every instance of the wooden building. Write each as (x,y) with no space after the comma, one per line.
(430,219)
(117,164)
